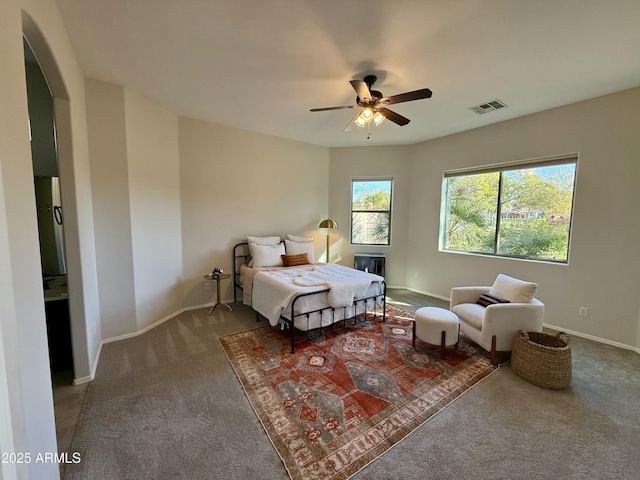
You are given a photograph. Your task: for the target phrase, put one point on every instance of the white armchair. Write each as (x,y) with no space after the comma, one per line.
(495,326)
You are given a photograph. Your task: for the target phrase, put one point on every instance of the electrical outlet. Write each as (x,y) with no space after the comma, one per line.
(583,311)
(416,275)
(207,285)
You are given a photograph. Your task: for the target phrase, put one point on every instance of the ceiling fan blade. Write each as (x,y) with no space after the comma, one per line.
(394,117)
(406,97)
(361,89)
(349,125)
(324,109)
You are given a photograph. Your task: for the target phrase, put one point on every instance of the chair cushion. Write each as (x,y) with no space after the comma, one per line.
(470,313)
(512,289)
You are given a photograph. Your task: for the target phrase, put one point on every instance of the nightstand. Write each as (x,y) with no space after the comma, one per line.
(217,278)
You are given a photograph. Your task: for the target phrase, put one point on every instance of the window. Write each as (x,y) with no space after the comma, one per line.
(371,211)
(521,211)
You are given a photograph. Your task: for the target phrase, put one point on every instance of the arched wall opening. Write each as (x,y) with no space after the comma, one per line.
(63,122)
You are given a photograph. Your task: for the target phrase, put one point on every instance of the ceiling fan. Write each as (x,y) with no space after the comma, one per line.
(373,104)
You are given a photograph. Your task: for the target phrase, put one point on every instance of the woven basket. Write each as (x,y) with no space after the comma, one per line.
(542,359)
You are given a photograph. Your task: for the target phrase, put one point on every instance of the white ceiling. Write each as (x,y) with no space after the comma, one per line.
(261,65)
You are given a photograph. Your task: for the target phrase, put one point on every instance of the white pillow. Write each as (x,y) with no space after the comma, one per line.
(295,248)
(299,238)
(267,255)
(272,240)
(512,289)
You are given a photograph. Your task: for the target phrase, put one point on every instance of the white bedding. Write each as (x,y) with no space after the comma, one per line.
(273,290)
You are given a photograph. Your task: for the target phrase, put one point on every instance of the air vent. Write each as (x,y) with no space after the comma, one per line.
(488,107)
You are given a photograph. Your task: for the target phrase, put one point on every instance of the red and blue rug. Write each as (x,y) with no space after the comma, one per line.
(343,399)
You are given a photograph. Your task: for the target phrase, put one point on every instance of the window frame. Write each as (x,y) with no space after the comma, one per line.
(568,159)
(388,212)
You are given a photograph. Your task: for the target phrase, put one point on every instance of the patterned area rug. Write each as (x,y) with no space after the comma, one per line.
(345,398)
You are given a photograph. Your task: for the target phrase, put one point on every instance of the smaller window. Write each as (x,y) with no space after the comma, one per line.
(371,211)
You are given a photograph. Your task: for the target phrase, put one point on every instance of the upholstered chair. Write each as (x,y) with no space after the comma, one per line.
(493,315)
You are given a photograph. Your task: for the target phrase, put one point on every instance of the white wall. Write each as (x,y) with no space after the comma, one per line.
(111,208)
(154,193)
(236,183)
(604,265)
(348,163)
(136,187)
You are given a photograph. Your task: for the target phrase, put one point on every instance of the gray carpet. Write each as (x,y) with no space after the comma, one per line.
(167,405)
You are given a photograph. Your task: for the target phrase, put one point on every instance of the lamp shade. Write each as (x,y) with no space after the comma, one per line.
(328,223)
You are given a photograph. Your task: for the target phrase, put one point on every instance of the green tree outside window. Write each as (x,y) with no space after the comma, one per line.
(371,212)
(514,212)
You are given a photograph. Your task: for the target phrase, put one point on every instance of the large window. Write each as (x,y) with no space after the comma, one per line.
(371,211)
(521,211)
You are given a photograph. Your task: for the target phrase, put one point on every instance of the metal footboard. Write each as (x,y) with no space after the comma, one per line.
(334,325)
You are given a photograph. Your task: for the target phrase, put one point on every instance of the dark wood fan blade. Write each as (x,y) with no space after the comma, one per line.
(394,117)
(342,107)
(361,89)
(406,97)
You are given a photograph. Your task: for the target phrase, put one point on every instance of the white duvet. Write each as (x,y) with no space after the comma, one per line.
(273,290)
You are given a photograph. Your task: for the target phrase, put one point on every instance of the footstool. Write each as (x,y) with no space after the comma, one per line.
(436,326)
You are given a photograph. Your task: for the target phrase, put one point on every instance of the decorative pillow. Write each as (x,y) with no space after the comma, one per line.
(272,240)
(295,260)
(294,248)
(486,300)
(299,238)
(267,255)
(512,289)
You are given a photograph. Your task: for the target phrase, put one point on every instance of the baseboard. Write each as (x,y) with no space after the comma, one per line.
(87,379)
(94,367)
(81,380)
(155,324)
(441,297)
(592,337)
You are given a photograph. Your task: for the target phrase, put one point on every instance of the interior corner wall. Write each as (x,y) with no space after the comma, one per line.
(603,273)
(110,189)
(371,162)
(154,196)
(236,183)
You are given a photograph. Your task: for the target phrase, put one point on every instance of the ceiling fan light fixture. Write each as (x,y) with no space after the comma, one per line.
(360,121)
(367,115)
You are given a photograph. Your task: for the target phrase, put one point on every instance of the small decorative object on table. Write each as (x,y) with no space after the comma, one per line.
(215,273)
(542,359)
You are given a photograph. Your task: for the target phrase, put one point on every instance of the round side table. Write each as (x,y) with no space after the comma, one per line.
(217,278)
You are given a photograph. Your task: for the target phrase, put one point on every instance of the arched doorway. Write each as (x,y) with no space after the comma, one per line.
(80,336)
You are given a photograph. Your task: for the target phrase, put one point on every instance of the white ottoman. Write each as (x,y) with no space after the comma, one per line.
(436,326)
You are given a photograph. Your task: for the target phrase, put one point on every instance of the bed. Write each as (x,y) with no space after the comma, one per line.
(309,299)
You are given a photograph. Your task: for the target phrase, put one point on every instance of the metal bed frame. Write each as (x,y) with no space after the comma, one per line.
(241,256)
